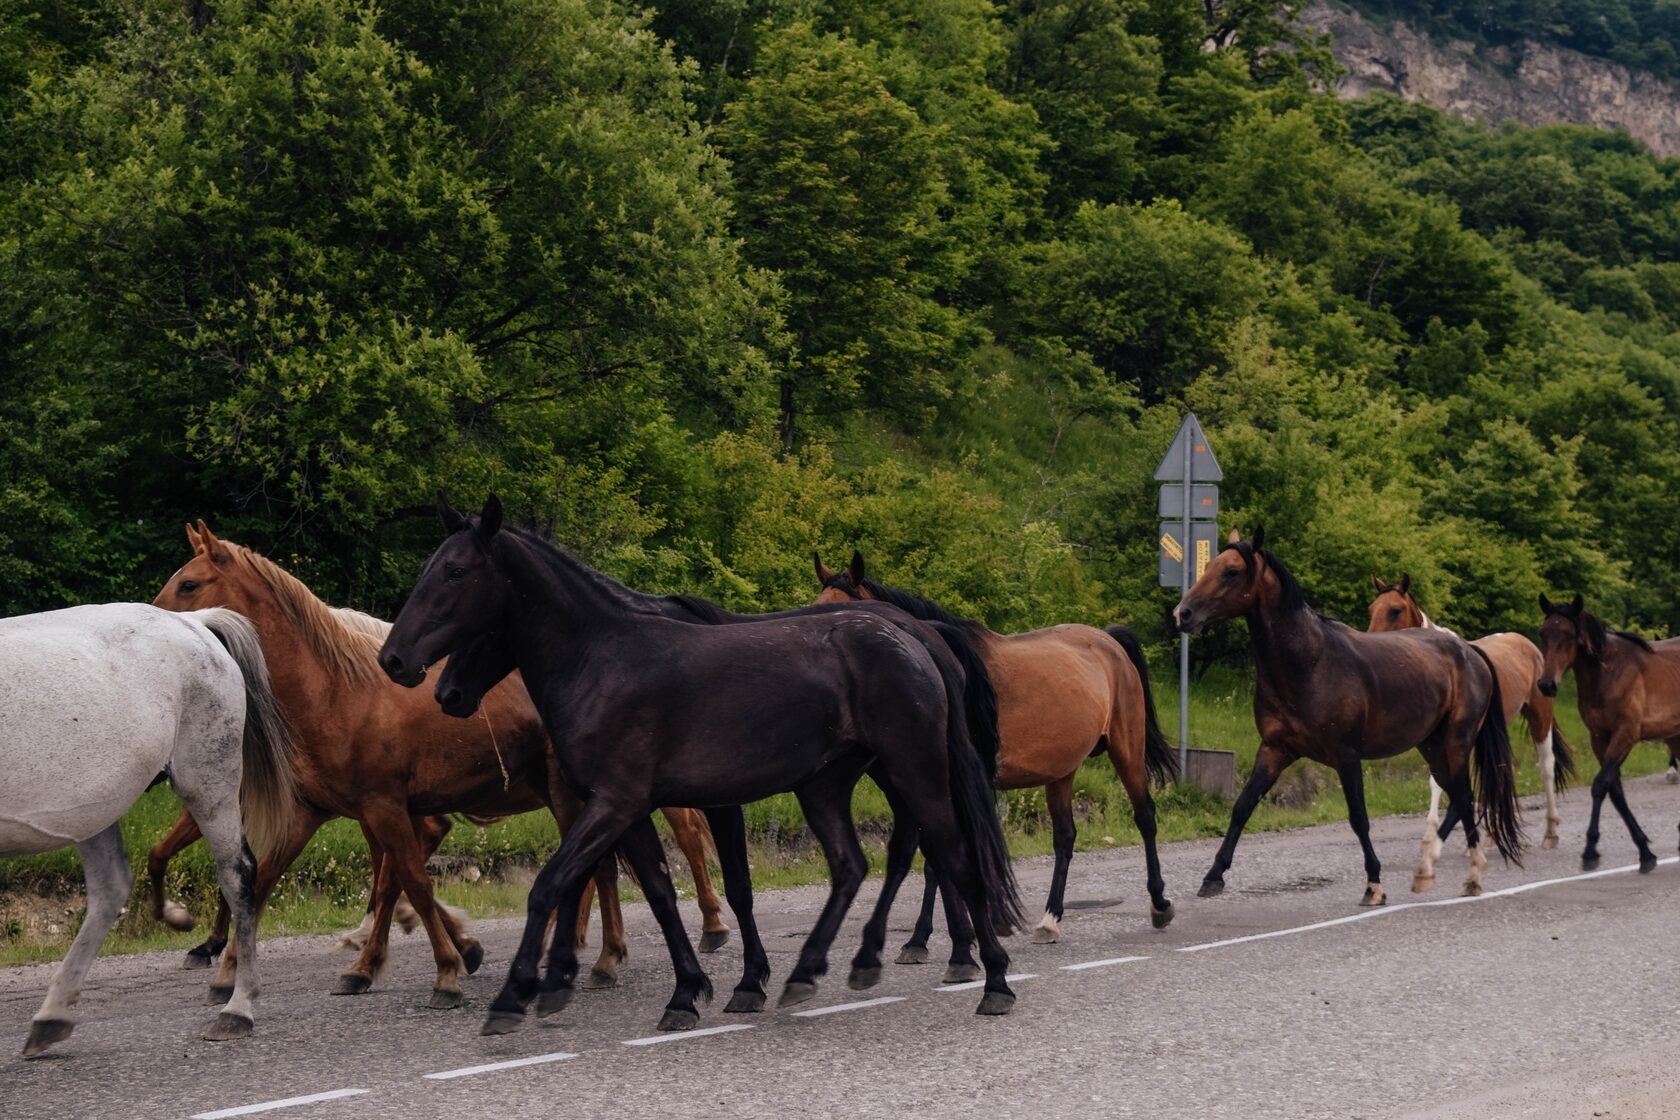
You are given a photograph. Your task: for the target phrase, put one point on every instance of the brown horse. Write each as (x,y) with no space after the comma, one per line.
(1628,690)
(1519,666)
(382,755)
(1332,694)
(1064,694)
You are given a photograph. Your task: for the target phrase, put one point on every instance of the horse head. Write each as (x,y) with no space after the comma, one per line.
(841,587)
(1568,632)
(460,596)
(1394,608)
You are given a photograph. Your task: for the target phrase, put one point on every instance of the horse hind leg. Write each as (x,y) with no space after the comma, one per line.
(1134,777)
(729,833)
(901,852)
(1673,761)
(236,874)
(109,879)
(826,800)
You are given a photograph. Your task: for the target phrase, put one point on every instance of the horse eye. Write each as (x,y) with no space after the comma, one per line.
(188,586)
(457,573)
(1394,612)
(1228,573)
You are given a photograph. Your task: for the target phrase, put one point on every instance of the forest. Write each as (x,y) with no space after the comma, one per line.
(702,287)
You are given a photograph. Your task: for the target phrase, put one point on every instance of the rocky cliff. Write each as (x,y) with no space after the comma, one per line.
(1531,82)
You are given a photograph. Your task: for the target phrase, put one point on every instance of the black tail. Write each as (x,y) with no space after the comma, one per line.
(1496,775)
(976,806)
(1563,760)
(979,697)
(1158,755)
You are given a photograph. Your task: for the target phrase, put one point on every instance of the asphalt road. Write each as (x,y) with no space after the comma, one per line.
(1558,1001)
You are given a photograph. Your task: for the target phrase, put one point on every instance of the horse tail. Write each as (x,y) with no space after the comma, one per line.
(1158,755)
(267,787)
(1563,759)
(975,802)
(980,709)
(1496,774)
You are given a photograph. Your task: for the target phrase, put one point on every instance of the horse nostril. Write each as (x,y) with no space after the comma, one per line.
(391,663)
(452,698)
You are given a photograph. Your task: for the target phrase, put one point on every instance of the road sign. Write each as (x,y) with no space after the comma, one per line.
(1204,544)
(1203,466)
(1204,501)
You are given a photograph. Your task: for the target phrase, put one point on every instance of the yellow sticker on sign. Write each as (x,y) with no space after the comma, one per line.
(1204,551)
(1171,547)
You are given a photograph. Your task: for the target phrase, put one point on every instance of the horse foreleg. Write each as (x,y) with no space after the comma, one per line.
(1352,773)
(1058,797)
(1602,747)
(389,820)
(1548,776)
(1268,764)
(1647,858)
(615,947)
(109,878)
(641,846)
(729,833)
(1673,761)
(164,909)
(689,829)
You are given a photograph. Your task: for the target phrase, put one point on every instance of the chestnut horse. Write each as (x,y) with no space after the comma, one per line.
(1628,690)
(1519,666)
(1329,693)
(1064,694)
(376,753)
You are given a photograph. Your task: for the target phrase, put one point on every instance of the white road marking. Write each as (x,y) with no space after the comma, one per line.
(289,1102)
(1011,978)
(1101,963)
(1380,911)
(678,1036)
(468,1071)
(859,1005)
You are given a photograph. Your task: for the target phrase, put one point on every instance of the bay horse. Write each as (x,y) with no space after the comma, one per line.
(643,709)
(1064,694)
(1628,690)
(101,703)
(373,752)
(1332,694)
(1519,665)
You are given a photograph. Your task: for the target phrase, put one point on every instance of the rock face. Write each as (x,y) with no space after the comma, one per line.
(1534,83)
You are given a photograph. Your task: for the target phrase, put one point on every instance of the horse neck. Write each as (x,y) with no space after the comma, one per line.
(559,605)
(1283,640)
(301,681)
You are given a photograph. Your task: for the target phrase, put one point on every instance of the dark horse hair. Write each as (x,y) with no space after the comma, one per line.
(1290,596)
(1158,755)
(1496,778)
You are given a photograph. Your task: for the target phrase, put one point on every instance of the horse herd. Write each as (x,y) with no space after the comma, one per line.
(270,713)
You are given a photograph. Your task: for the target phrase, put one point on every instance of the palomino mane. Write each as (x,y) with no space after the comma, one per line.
(344,640)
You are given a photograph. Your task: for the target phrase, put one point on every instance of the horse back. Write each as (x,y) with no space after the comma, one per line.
(1519,665)
(1061,690)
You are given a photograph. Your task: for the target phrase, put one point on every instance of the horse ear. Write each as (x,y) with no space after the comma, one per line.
(453,521)
(1405,583)
(491,519)
(824,572)
(194,539)
(1578,603)
(213,548)
(1233,537)
(1546,605)
(1376,582)
(1259,538)
(856,569)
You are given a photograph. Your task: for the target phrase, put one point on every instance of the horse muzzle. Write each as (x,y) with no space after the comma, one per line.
(454,702)
(400,671)
(1185,620)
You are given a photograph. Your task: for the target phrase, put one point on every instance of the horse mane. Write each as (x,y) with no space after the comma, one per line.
(917,606)
(346,641)
(1290,596)
(1642,643)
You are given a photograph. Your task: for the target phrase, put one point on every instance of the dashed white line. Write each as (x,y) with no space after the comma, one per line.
(972,984)
(678,1036)
(1100,964)
(858,1006)
(288,1102)
(1378,912)
(492,1067)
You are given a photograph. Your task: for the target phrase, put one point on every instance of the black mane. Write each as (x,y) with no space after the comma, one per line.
(1290,596)
(918,607)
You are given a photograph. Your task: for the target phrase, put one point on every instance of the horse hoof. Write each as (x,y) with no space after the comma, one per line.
(473,957)
(1211,888)
(1374,896)
(44,1033)
(598,980)
(444,1000)
(912,954)
(352,984)
(502,1022)
(1589,863)
(795,992)
(745,1002)
(1472,890)
(1046,935)
(228,1027)
(995,1003)
(176,916)
(1421,883)
(679,1019)
(961,973)
(1647,864)
(1163,917)
(1549,842)
(216,994)
(713,939)
(863,979)
(199,957)
(552,1001)
(1673,776)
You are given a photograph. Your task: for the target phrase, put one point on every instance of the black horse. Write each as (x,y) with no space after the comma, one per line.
(644,710)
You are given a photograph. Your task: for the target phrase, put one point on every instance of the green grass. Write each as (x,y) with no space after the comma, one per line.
(487,870)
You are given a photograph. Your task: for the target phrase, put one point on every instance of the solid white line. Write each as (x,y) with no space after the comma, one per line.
(289,1102)
(678,1036)
(1380,911)
(468,1071)
(860,1004)
(1101,964)
(1011,978)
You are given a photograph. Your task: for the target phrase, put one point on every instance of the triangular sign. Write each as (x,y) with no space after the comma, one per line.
(1203,466)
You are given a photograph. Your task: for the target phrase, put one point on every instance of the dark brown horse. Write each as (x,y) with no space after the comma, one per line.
(1519,666)
(1064,694)
(1628,690)
(1329,693)
(369,750)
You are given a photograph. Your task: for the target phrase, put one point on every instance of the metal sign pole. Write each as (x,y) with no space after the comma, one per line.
(1184,639)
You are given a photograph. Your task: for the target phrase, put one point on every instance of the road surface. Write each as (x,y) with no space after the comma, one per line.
(1279,999)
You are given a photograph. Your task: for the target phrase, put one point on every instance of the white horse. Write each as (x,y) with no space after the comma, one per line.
(98,703)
